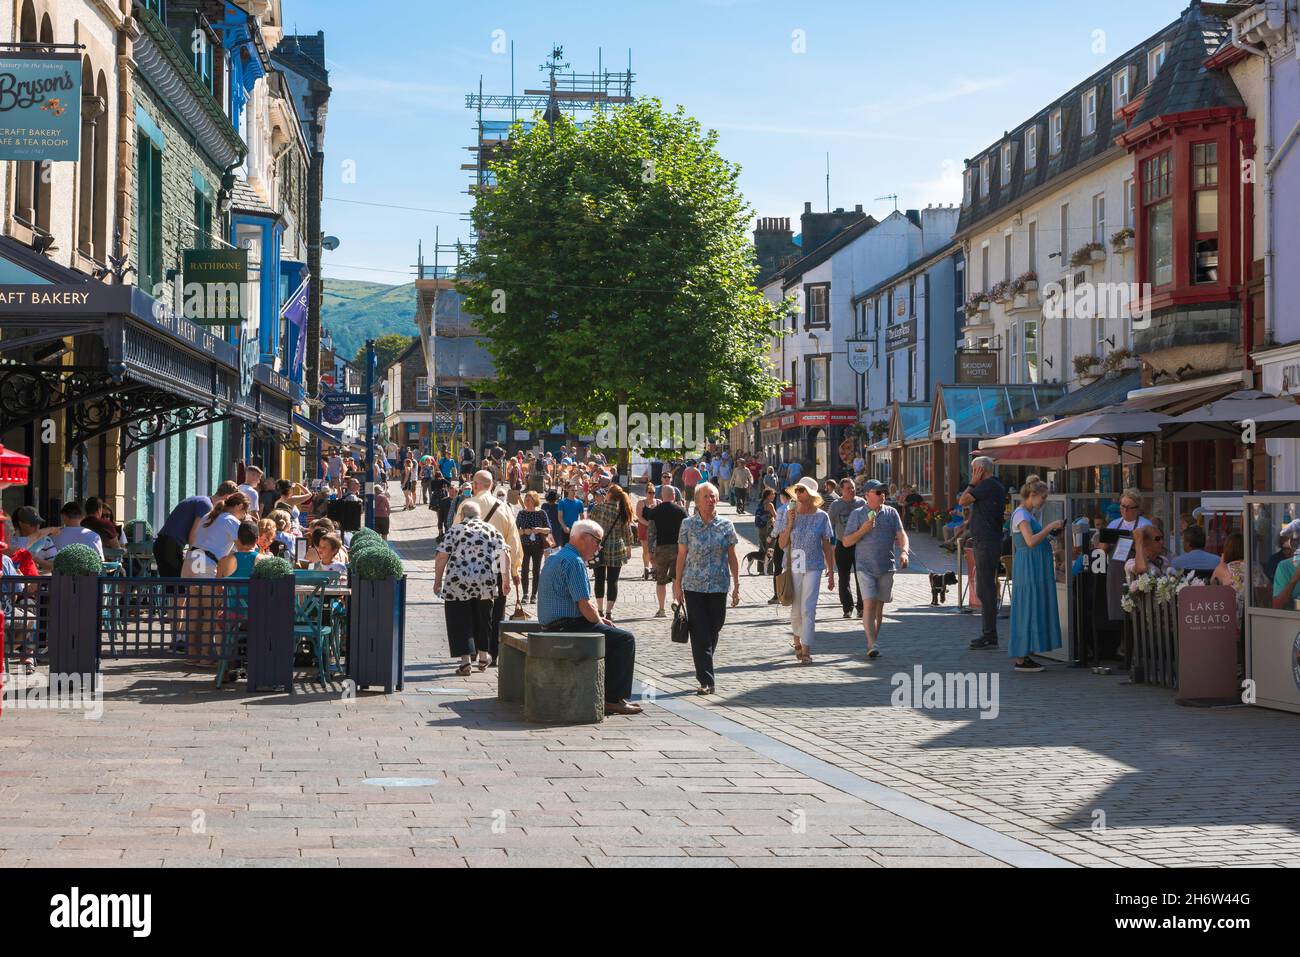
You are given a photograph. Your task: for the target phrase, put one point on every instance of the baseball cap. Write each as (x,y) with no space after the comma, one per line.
(27,515)
(873,485)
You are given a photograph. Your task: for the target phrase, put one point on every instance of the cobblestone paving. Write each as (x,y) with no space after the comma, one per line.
(1085,767)
(176,773)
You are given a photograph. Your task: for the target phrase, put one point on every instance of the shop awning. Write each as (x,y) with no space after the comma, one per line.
(318,430)
(1175,397)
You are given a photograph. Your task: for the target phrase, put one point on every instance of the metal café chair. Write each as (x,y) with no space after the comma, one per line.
(318,620)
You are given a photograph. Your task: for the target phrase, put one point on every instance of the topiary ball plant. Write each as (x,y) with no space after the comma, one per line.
(271,568)
(78,560)
(378,564)
(365,545)
(366,534)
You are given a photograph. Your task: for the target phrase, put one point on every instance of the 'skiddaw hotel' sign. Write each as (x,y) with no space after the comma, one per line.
(40,106)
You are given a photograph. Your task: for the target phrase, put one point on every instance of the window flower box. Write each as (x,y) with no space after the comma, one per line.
(1123,240)
(1085,255)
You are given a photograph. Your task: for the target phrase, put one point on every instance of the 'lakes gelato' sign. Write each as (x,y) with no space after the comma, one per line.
(40,106)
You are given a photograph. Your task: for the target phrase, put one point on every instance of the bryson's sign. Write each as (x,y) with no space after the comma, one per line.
(40,106)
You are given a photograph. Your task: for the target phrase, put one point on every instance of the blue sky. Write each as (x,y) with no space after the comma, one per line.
(898,102)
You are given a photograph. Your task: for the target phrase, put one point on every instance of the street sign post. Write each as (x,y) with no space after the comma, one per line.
(370,433)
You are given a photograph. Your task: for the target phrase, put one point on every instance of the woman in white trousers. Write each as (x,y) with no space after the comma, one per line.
(805,537)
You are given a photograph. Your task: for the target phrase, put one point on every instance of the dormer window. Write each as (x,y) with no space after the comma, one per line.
(1121,91)
(1089,112)
(968,176)
(1155,60)
(984,176)
(1031,147)
(1006,163)
(1056,136)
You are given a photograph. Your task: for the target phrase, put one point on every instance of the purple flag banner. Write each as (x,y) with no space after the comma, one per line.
(295,313)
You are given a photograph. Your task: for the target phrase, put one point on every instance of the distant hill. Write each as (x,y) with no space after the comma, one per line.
(356,311)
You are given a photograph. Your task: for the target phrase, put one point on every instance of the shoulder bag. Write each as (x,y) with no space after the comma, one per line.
(681,626)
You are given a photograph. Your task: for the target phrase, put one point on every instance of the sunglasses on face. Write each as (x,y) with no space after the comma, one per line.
(1126,507)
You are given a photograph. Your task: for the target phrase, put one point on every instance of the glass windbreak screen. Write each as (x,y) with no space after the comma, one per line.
(1276,578)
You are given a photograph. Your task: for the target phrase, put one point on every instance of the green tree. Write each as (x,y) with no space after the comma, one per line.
(613,267)
(387,348)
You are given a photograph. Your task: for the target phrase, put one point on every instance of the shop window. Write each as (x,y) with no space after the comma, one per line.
(920,469)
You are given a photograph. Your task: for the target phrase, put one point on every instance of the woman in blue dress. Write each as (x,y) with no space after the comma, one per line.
(1035,624)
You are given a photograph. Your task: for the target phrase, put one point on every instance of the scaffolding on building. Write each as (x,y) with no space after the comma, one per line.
(567,93)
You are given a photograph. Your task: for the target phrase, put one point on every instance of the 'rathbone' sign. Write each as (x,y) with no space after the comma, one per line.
(40,106)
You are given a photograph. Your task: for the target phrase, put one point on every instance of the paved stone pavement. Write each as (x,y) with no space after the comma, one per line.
(786,766)
(1085,767)
(176,773)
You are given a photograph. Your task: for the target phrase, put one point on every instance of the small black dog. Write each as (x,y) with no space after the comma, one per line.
(939,583)
(757,556)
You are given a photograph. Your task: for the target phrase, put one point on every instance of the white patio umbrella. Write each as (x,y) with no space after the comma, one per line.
(1112,423)
(1248,414)
(1274,417)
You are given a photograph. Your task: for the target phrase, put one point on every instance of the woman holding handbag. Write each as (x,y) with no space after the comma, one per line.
(805,536)
(535,535)
(613,512)
(706,565)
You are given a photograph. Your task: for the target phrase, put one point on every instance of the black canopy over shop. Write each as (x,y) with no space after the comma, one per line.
(80,359)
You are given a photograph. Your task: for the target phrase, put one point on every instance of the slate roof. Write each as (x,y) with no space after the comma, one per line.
(1108,390)
(1184,83)
(245,199)
(305,54)
(1076,150)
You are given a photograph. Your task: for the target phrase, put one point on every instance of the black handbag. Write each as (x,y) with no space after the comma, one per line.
(681,627)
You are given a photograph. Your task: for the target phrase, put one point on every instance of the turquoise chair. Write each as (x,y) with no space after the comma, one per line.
(318,620)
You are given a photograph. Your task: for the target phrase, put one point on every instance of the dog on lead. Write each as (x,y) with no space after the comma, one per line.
(759,557)
(939,582)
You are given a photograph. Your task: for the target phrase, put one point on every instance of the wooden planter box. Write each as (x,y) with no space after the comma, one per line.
(270,633)
(74,627)
(376,631)
(1155,641)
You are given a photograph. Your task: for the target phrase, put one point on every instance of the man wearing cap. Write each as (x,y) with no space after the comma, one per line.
(872,531)
(33,536)
(839,510)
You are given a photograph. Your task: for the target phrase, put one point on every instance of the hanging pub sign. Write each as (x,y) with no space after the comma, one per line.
(216,290)
(900,336)
(40,106)
(859,352)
